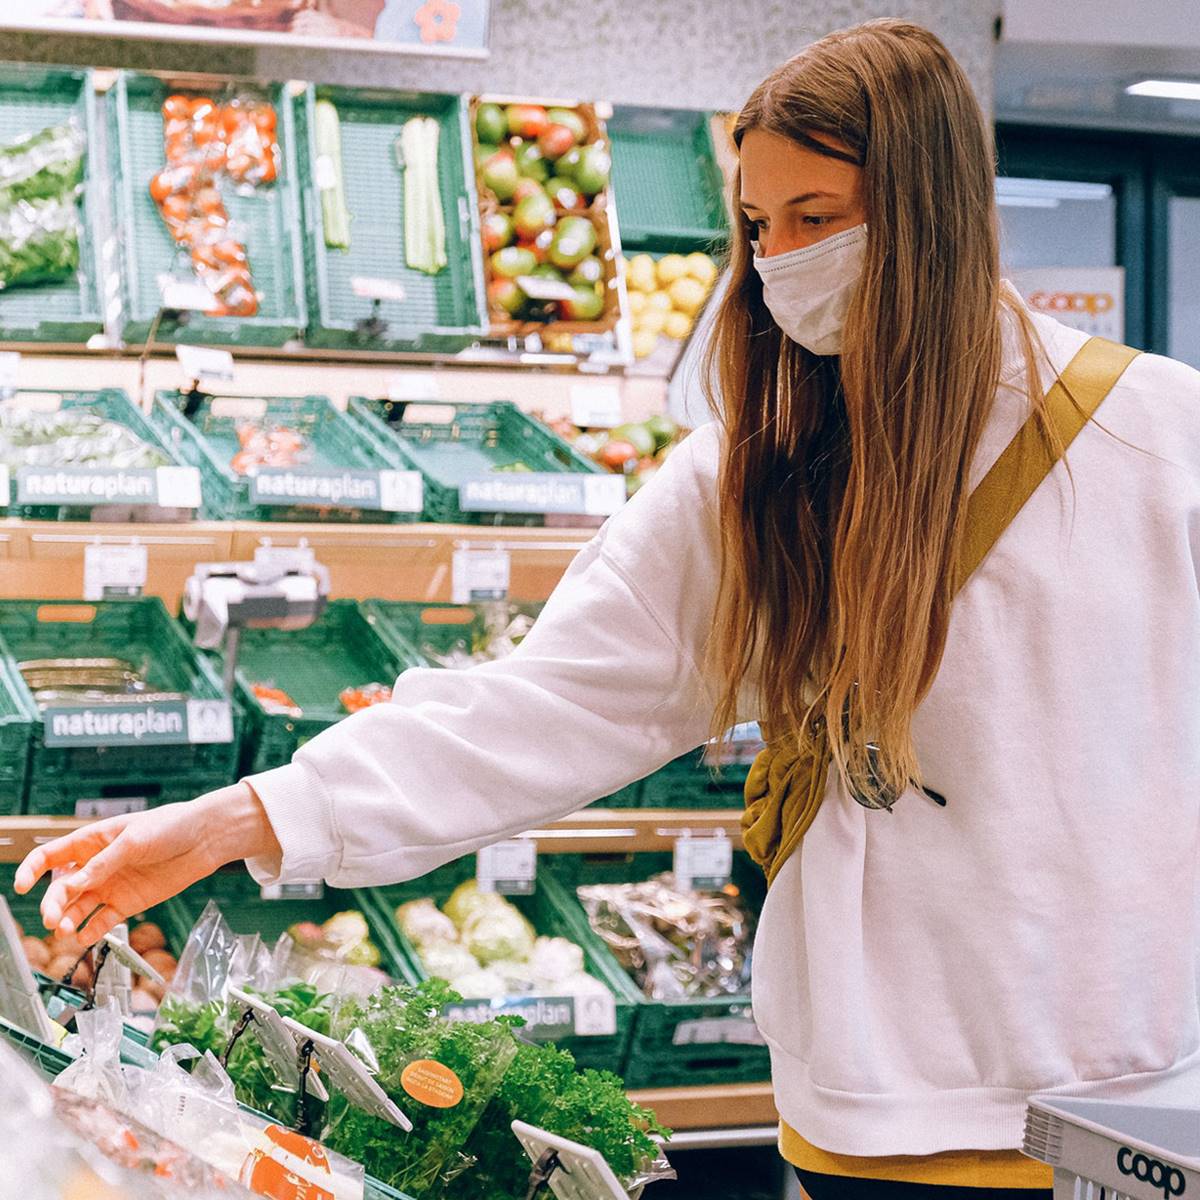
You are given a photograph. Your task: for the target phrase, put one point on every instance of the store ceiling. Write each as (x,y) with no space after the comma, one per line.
(1084,85)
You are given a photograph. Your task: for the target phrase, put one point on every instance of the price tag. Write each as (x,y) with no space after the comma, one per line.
(178,487)
(293,891)
(113,571)
(20,1002)
(377,289)
(413,385)
(203,362)
(537,288)
(10,372)
(703,864)
(278,1043)
(596,405)
(112,807)
(185,295)
(480,575)
(401,491)
(325,173)
(301,559)
(718,1031)
(509,868)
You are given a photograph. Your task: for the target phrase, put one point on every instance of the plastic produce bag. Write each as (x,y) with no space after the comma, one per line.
(677,945)
(97,1072)
(42,166)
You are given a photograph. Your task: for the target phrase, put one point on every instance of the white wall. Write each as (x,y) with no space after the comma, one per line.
(1104,22)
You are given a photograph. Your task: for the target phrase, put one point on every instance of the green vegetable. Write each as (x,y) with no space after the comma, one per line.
(335,214)
(39,243)
(42,166)
(424,221)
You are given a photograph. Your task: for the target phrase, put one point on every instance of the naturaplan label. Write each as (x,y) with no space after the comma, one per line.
(537,492)
(171,487)
(170,723)
(377,490)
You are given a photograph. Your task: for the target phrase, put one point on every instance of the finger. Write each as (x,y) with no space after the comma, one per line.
(76,847)
(78,911)
(64,890)
(104,921)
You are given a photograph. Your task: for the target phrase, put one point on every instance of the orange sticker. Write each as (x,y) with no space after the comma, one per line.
(431,1083)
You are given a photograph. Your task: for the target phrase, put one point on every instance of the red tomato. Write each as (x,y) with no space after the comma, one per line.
(264,119)
(160,186)
(176,210)
(201,108)
(177,108)
(208,201)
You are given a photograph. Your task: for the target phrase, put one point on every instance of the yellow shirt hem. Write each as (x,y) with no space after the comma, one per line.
(954,1168)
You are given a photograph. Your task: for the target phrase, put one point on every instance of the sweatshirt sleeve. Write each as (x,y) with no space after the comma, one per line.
(606,688)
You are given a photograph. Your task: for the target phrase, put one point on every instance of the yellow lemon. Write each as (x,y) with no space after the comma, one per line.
(653,320)
(678,325)
(644,341)
(702,269)
(637,302)
(687,295)
(640,274)
(660,301)
(670,268)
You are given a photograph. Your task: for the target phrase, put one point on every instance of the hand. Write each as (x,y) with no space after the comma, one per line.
(125,865)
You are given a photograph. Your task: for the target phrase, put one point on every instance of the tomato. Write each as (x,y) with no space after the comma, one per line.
(239,164)
(206,131)
(208,200)
(264,119)
(201,108)
(229,252)
(160,186)
(178,147)
(267,174)
(176,209)
(231,122)
(177,108)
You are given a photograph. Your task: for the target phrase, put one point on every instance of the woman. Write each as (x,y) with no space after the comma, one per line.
(1024,920)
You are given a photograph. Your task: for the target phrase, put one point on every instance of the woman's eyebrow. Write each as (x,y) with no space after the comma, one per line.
(749,206)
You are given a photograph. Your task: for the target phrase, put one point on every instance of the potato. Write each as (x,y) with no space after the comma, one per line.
(62,944)
(36,953)
(163,961)
(146,937)
(143,1000)
(152,989)
(59,966)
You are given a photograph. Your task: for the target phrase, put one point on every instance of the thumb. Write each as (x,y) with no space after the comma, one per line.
(90,877)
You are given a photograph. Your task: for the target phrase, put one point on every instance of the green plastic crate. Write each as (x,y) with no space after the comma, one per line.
(654,1058)
(33,98)
(342,649)
(17,719)
(204,433)
(453,445)
(139,630)
(440,313)
(668,187)
(111,404)
(267,223)
(547,910)
(412,630)
(689,782)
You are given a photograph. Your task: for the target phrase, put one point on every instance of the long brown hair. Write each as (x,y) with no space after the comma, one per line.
(843,486)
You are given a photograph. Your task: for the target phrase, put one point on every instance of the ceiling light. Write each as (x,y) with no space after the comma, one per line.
(1166,89)
(1027,201)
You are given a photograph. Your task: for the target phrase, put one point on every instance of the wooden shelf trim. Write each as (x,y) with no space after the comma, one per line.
(718,1106)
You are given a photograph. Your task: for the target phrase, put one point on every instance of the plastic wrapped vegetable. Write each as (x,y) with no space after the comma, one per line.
(348,934)
(467,899)
(447,960)
(42,166)
(422,922)
(493,932)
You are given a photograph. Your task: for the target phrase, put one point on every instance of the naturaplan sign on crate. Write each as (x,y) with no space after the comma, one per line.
(455,28)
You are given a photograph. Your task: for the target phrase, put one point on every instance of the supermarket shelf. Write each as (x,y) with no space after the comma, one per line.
(44,559)
(717,1109)
(596,831)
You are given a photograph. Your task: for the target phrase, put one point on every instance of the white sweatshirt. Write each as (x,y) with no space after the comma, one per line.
(917,974)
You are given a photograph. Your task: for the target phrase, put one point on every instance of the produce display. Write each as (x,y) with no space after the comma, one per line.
(677,945)
(483,946)
(344,937)
(543,176)
(666,296)
(501,630)
(268,446)
(355,699)
(207,143)
(335,214)
(71,437)
(275,700)
(41,180)
(89,681)
(636,449)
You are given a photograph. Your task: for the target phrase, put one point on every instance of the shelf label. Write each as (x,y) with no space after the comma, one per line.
(201,363)
(477,575)
(543,492)
(377,289)
(272,486)
(596,405)
(10,372)
(165,723)
(509,868)
(718,1031)
(547,1018)
(110,571)
(112,807)
(703,864)
(293,891)
(401,491)
(170,487)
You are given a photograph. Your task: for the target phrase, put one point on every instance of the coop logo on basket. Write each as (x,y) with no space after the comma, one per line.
(58,485)
(1152,1171)
(137,724)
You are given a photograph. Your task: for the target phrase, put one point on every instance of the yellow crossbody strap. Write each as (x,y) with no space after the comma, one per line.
(1027,460)
(787,782)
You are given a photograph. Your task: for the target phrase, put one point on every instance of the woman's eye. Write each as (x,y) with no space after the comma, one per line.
(760,227)
(815,221)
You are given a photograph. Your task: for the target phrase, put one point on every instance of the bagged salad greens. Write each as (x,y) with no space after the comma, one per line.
(71,437)
(41,179)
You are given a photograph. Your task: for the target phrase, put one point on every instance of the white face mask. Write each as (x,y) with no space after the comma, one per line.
(809,290)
